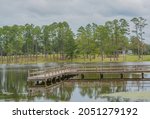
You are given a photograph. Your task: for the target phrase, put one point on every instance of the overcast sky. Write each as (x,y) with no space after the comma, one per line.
(76,12)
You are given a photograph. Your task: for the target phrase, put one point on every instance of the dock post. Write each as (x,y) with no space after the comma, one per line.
(142,75)
(101,76)
(82,76)
(121,75)
(37,83)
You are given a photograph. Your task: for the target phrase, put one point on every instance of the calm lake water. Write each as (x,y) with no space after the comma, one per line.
(13,87)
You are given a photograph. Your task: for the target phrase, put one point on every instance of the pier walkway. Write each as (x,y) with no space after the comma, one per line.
(52,75)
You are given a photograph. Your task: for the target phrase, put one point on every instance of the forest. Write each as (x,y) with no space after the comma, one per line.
(57,41)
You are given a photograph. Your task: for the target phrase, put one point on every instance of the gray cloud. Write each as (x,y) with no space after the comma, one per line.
(47,8)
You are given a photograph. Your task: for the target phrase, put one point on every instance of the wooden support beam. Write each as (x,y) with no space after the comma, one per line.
(82,76)
(142,75)
(101,76)
(121,75)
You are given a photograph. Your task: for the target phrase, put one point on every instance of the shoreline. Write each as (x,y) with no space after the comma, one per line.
(42,60)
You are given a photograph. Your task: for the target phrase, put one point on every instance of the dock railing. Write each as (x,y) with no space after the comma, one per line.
(111,68)
(47,71)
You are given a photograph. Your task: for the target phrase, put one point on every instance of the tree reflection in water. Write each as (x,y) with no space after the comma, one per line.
(96,88)
(61,91)
(93,90)
(13,87)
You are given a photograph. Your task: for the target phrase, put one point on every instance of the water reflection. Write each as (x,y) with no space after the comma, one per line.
(89,90)
(13,87)
(12,84)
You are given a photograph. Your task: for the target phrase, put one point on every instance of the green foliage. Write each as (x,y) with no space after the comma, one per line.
(139,23)
(108,40)
(85,40)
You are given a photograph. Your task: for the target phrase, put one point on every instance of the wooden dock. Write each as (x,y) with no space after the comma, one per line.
(53,75)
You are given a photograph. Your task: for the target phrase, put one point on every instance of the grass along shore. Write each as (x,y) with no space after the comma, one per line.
(33,59)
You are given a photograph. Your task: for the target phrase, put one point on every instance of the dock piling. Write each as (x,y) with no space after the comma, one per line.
(121,75)
(142,75)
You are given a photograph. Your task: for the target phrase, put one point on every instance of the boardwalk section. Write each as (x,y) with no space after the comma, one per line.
(48,76)
(38,74)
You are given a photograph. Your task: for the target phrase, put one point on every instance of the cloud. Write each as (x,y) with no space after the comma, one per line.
(48,8)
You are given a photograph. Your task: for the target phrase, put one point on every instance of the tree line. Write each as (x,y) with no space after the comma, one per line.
(107,40)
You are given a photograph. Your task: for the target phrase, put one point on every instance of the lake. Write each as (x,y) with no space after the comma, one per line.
(13,87)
